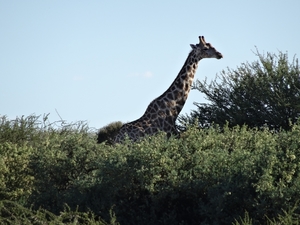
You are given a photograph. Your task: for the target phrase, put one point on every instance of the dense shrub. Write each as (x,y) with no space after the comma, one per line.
(262,93)
(16,140)
(64,165)
(16,178)
(12,213)
(208,176)
(21,130)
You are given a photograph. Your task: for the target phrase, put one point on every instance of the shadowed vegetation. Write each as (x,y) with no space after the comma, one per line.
(53,173)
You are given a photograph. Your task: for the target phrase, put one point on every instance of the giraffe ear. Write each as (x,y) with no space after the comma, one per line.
(193,46)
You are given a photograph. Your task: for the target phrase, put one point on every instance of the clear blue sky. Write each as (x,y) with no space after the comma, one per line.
(105,61)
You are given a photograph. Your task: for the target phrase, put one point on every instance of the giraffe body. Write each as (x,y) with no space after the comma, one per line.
(163,111)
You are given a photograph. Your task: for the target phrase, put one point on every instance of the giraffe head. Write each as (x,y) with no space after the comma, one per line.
(205,50)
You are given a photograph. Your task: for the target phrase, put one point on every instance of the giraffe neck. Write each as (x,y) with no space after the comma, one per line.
(163,111)
(166,108)
(174,98)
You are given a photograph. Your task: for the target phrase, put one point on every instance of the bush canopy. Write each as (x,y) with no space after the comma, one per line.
(263,93)
(209,176)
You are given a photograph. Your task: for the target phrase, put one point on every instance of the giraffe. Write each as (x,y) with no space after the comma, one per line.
(163,111)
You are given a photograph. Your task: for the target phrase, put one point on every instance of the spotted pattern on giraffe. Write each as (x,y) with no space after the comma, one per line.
(163,111)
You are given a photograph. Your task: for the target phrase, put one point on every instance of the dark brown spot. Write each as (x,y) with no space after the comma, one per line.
(178,108)
(187,87)
(180,85)
(170,96)
(152,110)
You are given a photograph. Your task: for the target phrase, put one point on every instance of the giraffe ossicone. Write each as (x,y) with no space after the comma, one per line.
(163,111)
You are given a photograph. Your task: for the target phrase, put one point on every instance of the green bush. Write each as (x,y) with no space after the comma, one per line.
(64,166)
(16,178)
(16,140)
(261,93)
(208,176)
(12,213)
(21,130)
(59,174)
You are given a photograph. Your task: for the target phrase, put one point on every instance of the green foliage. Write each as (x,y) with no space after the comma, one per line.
(21,130)
(13,213)
(16,139)
(206,177)
(60,175)
(108,132)
(64,165)
(286,217)
(244,221)
(263,93)
(15,174)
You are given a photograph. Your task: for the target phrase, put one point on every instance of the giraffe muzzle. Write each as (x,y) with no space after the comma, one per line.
(219,55)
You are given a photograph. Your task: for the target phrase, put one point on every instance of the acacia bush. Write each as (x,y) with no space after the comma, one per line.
(16,138)
(265,92)
(64,165)
(209,176)
(13,213)
(16,178)
(206,177)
